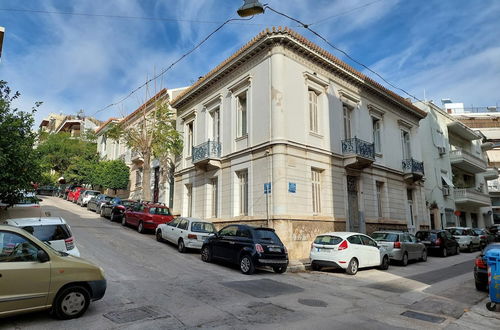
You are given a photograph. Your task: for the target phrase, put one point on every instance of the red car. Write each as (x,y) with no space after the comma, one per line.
(147,216)
(75,193)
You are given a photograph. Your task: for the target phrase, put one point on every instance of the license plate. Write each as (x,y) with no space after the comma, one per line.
(273,249)
(324,250)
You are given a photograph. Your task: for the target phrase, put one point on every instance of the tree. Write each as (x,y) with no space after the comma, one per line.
(154,136)
(116,174)
(18,162)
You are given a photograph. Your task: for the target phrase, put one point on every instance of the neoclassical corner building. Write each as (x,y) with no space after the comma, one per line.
(284,134)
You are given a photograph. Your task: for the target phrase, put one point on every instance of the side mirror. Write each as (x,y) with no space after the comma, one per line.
(42,256)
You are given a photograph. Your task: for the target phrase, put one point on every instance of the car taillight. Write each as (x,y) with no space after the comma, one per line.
(192,236)
(259,248)
(479,262)
(438,241)
(482,237)
(343,245)
(397,245)
(70,243)
(120,207)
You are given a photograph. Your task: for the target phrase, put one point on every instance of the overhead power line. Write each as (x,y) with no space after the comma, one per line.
(306,26)
(344,13)
(145,18)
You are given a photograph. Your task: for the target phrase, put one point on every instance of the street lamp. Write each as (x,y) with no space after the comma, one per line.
(250,8)
(2,30)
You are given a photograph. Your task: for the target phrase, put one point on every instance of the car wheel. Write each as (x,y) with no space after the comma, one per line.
(279,269)
(159,238)
(352,267)
(140,228)
(444,252)
(470,248)
(424,255)
(71,302)
(112,217)
(385,263)
(180,246)
(315,267)
(246,265)
(481,286)
(101,213)
(404,261)
(491,306)
(124,221)
(457,250)
(206,254)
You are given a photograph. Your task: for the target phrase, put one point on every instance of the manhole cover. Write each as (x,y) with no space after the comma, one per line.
(423,317)
(263,288)
(131,315)
(313,302)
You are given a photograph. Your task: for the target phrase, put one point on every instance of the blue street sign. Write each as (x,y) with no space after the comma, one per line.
(267,188)
(292,187)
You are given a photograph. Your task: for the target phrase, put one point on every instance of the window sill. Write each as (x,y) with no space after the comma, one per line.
(315,134)
(241,138)
(379,155)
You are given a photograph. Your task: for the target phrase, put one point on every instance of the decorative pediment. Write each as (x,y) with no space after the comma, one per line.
(349,98)
(376,111)
(212,102)
(240,84)
(313,79)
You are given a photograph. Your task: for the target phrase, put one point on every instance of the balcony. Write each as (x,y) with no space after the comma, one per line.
(471,197)
(135,157)
(358,154)
(491,173)
(467,161)
(413,170)
(207,155)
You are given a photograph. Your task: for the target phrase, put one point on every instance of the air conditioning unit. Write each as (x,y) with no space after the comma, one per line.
(446,191)
(441,150)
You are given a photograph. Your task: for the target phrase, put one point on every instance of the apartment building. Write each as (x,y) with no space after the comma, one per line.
(75,125)
(284,134)
(457,171)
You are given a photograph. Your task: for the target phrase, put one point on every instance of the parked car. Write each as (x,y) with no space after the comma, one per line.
(115,208)
(95,203)
(401,246)
(248,247)
(187,233)
(147,216)
(85,196)
(466,238)
(32,279)
(75,193)
(481,269)
(438,241)
(495,230)
(349,251)
(46,190)
(485,236)
(52,230)
(69,189)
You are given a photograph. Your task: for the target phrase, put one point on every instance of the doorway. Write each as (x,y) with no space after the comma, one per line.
(352,200)
(156,187)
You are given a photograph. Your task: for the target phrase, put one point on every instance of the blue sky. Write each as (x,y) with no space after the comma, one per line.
(449,48)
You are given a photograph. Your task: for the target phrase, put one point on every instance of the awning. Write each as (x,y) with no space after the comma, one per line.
(447,181)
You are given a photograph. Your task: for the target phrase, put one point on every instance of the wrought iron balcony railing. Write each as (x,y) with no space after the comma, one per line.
(413,166)
(207,150)
(358,147)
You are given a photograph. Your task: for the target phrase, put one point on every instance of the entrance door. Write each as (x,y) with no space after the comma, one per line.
(473,218)
(433,225)
(410,209)
(463,220)
(352,200)
(156,189)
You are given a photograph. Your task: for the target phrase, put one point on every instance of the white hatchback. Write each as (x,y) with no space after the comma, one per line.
(52,230)
(349,251)
(185,232)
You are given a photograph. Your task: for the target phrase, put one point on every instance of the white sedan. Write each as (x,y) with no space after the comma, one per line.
(349,251)
(187,233)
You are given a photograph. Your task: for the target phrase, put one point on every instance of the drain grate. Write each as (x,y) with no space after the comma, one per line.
(131,315)
(423,317)
(313,302)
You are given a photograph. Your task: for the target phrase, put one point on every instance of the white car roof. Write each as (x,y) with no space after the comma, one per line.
(191,219)
(457,228)
(341,234)
(18,222)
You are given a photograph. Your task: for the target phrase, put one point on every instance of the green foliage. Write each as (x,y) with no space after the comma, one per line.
(48,179)
(115,175)
(81,171)
(18,162)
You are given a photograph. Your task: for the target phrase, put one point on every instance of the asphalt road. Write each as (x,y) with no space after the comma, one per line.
(152,286)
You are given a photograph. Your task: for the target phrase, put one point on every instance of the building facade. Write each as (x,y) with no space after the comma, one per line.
(457,171)
(283,134)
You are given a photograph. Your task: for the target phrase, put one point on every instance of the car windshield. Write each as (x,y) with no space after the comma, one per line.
(49,232)
(385,237)
(159,210)
(267,235)
(202,227)
(127,203)
(479,231)
(457,232)
(328,240)
(426,236)
(107,198)
(92,193)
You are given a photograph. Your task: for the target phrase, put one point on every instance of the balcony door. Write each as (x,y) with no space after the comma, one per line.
(215,127)
(405,140)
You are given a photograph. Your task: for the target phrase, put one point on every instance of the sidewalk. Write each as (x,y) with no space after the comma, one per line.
(477,317)
(296,266)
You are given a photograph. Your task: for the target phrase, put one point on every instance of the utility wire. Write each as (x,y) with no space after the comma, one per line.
(145,18)
(344,13)
(306,26)
(162,72)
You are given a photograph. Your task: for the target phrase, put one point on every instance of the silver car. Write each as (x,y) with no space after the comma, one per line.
(402,246)
(466,238)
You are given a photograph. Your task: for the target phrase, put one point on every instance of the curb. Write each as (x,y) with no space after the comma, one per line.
(298,266)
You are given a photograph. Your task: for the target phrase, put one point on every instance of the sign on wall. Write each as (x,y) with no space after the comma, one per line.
(292,187)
